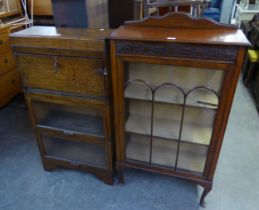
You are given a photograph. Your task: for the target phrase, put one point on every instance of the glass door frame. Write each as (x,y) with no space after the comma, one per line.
(121,61)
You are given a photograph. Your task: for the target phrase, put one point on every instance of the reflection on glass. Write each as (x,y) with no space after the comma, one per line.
(69,118)
(82,152)
(170,114)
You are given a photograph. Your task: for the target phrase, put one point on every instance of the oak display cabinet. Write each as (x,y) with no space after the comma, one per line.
(67,92)
(174,80)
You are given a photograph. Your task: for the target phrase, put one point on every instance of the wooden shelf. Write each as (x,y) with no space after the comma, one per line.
(75,122)
(165,128)
(191,157)
(78,152)
(199,98)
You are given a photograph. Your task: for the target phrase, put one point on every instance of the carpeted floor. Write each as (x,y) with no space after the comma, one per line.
(25,186)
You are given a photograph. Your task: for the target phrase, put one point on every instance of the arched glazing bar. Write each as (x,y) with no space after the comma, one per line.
(185,94)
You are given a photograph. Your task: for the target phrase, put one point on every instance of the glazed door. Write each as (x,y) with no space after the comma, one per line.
(168,113)
(73,131)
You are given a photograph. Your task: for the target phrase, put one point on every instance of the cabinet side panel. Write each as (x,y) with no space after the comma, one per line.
(229,89)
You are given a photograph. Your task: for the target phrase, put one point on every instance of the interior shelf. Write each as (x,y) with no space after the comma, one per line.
(198,98)
(77,122)
(80,152)
(191,157)
(165,128)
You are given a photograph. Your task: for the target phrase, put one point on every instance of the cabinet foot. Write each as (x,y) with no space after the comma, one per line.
(106,179)
(207,189)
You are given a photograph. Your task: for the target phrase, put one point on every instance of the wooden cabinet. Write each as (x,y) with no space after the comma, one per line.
(67,93)
(10,83)
(174,80)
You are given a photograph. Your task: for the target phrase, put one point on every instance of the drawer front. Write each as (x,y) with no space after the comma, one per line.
(66,74)
(9,84)
(4,42)
(7,62)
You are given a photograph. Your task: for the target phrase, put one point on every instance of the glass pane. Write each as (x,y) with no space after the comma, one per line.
(137,147)
(198,125)
(184,77)
(192,157)
(164,152)
(138,117)
(170,107)
(80,152)
(69,118)
(167,120)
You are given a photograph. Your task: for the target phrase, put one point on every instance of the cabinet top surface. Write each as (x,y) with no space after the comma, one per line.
(61,38)
(181,28)
(62,33)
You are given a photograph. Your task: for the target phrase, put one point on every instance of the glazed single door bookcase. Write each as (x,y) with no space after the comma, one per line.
(174,80)
(67,92)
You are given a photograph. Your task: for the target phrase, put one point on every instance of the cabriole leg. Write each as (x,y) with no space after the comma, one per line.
(207,189)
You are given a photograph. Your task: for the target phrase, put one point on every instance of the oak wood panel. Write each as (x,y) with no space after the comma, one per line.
(74,75)
(56,52)
(61,38)
(64,72)
(7,62)
(4,41)
(69,99)
(10,81)
(9,86)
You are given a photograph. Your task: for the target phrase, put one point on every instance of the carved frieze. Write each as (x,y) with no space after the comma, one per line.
(178,50)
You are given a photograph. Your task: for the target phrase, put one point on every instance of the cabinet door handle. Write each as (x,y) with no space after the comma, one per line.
(55,65)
